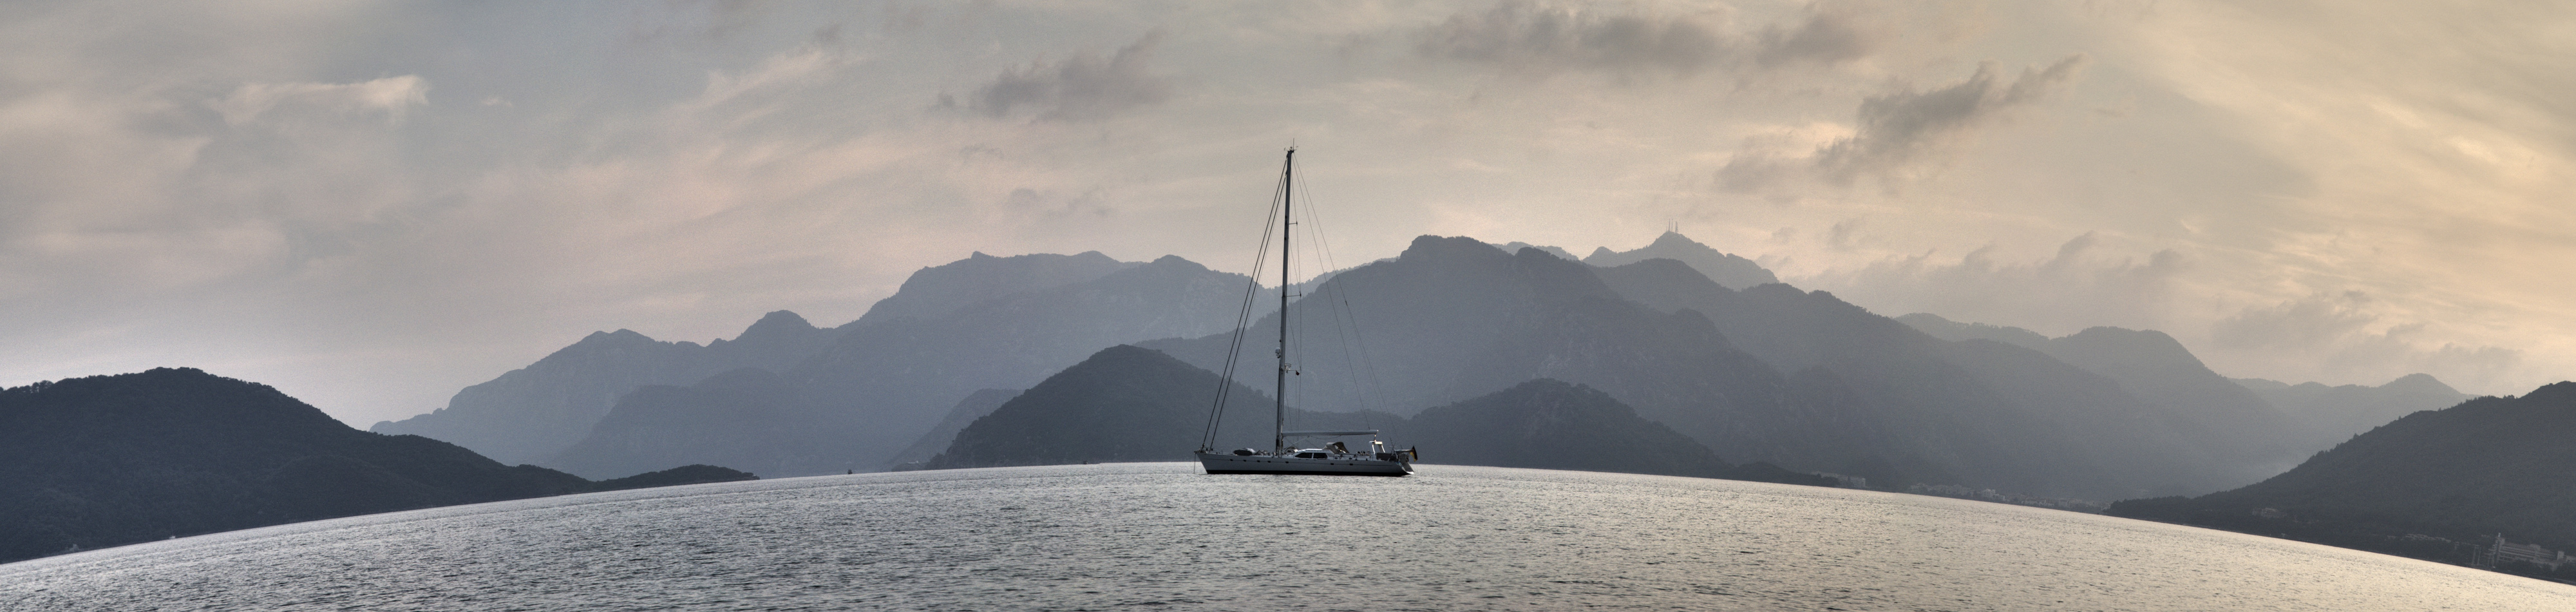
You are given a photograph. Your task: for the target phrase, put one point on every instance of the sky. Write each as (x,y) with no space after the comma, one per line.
(370,205)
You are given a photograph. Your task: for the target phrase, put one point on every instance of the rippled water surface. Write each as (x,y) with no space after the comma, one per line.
(1162,536)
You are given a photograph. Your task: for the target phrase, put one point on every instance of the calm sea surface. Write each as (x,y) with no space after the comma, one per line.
(1161,536)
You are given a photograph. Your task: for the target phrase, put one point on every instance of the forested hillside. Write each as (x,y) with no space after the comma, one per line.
(108,460)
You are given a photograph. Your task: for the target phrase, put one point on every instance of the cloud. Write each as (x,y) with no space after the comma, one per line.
(1894,137)
(1753,170)
(392,96)
(2078,287)
(2303,324)
(1777,160)
(1536,39)
(1050,205)
(2336,337)
(2330,336)
(1833,33)
(1898,130)
(1082,87)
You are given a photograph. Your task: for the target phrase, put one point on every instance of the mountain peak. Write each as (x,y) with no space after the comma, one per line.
(621,336)
(1175,261)
(2420,382)
(1729,270)
(1442,247)
(1673,240)
(941,290)
(2148,341)
(1516,246)
(777,325)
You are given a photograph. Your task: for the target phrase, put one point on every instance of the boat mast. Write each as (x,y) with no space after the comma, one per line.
(1287,218)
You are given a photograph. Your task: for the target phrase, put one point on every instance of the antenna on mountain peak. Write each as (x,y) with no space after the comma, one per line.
(1673,227)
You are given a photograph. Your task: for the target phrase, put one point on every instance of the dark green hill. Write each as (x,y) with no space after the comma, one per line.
(1554,425)
(1134,404)
(2487,466)
(109,460)
(1123,404)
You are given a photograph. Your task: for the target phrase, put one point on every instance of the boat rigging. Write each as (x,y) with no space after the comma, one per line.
(1335,458)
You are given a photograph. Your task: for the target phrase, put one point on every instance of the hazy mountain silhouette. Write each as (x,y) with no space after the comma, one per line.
(2486,466)
(975,406)
(2192,403)
(2289,421)
(108,460)
(1559,252)
(1134,404)
(2326,415)
(2226,419)
(889,378)
(744,418)
(533,413)
(1729,270)
(936,291)
(1947,329)
(1910,407)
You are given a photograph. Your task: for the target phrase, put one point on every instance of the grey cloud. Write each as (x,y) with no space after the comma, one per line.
(2328,336)
(1897,130)
(1831,34)
(1528,37)
(1754,171)
(1083,87)
(392,96)
(2076,288)
(1094,202)
(1768,163)
(2310,323)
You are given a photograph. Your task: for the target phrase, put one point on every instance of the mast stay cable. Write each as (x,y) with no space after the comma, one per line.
(1242,321)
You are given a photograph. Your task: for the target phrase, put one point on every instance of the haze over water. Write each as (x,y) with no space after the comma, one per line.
(1163,536)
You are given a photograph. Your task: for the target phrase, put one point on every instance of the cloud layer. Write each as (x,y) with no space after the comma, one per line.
(1078,88)
(1899,130)
(372,205)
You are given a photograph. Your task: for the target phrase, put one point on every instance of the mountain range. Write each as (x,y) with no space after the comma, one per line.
(109,460)
(1752,369)
(1769,373)
(2263,417)
(1659,360)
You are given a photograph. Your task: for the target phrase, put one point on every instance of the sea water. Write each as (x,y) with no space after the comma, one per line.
(1162,536)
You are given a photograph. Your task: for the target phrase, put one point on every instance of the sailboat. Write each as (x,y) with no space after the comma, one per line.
(1336,458)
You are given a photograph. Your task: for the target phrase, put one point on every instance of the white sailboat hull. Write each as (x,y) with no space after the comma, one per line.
(1226,463)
